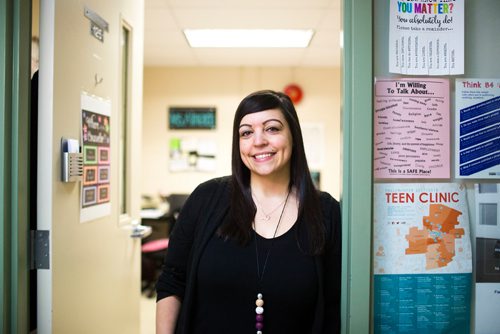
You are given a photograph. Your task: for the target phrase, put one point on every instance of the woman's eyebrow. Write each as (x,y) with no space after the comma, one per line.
(273,119)
(265,122)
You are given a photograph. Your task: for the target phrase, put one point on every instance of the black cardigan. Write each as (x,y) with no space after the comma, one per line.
(200,217)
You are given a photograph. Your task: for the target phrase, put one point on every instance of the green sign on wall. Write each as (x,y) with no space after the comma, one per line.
(191,117)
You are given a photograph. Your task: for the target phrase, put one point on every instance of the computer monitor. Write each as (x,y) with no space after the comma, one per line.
(175,204)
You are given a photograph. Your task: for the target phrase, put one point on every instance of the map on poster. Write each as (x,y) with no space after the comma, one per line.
(421,228)
(422,258)
(426,37)
(477,128)
(411,128)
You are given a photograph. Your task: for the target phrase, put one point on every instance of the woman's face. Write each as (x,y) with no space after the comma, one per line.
(266,143)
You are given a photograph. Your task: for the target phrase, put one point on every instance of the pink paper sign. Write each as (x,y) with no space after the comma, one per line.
(411,128)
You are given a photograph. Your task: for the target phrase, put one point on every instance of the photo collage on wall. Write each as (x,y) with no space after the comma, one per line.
(96,161)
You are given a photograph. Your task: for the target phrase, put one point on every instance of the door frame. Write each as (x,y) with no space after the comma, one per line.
(15,40)
(15,36)
(357,122)
(45,160)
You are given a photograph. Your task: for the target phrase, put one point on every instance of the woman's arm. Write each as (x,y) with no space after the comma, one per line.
(172,283)
(167,311)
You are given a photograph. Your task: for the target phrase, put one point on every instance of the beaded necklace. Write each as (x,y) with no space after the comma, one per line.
(259,310)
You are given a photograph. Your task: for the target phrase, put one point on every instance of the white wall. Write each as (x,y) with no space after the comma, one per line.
(224,87)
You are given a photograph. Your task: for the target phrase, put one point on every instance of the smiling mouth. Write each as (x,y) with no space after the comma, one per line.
(263,156)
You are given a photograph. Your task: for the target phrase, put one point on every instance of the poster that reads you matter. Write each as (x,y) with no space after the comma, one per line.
(411,128)
(422,261)
(477,128)
(426,37)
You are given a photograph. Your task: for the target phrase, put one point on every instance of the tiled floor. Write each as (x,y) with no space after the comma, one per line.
(148,307)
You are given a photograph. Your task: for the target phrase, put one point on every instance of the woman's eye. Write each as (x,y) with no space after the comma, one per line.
(245,133)
(272,129)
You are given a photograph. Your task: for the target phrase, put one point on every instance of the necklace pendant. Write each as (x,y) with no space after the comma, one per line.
(259,310)
(259,303)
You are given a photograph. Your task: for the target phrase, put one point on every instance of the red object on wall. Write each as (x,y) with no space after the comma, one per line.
(294,92)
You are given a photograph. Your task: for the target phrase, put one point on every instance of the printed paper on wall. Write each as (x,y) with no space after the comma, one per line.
(314,143)
(411,128)
(95,196)
(192,154)
(426,37)
(477,128)
(487,204)
(422,258)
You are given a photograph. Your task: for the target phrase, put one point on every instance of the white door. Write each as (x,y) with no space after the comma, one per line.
(93,283)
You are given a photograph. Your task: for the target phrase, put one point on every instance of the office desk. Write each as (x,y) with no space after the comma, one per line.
(159,221)
(154,248)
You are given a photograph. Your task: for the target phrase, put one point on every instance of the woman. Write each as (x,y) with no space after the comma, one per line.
(259,251)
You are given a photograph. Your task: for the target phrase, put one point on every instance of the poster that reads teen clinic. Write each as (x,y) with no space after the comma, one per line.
(411,128)
(477,128)
(422,258)
(426,37)
(95,196)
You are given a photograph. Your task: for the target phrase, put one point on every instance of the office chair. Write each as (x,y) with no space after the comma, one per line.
(154,248)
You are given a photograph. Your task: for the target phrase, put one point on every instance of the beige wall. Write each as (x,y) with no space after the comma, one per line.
(224,87)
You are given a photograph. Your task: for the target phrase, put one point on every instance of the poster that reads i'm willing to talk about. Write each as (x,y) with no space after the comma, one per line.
(411,128)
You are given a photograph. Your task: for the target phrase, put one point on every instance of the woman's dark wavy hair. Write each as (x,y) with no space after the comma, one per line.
(310,231)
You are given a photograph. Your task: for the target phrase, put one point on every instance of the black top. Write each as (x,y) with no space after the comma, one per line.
(227,287)
(203,212)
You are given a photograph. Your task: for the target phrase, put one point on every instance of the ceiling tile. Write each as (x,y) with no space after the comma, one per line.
(251,18)
(165,44)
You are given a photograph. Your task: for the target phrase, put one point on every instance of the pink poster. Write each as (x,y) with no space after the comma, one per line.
(412,128)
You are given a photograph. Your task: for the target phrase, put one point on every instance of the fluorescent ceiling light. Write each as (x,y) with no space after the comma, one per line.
(248,38)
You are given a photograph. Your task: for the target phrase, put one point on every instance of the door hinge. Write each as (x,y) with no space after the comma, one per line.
(40,250)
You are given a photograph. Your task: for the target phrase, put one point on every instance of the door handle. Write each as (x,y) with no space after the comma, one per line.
(139,231)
